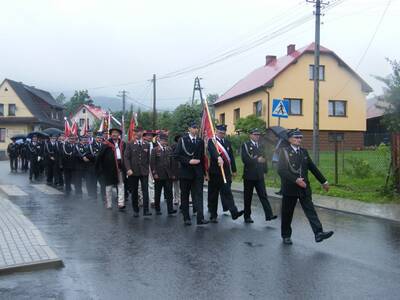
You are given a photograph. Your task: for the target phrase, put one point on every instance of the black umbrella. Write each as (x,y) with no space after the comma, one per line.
(19,137)
(52,131)
(38,133)
(279,132)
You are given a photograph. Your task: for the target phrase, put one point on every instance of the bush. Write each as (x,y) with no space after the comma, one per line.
(360,168)
(237,141)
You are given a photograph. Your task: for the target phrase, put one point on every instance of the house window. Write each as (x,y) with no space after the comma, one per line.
(84,111)
(222,118)
(257,108)
(1,109)
(337,108)
(236,115)
(81,122)
(11,109)
(2,135)
(321,72)
(295,106)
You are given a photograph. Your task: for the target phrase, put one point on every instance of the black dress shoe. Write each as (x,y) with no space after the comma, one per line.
(158,213)
(136,214)
(237,214)
(172,212)
(287,241)
(213,220)
(271,218)
(147,213)
(320,236)
(122,208)
(187,222)
(202,222)
(248,220)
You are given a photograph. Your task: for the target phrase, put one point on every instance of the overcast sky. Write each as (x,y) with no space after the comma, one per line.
(63,45)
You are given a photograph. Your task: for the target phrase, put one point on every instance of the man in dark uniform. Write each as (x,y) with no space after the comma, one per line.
(161,168)
(58,171)
(12,152)
(51,158)
(190,153)
(225,158)
(88,170)
(23,152)
(70,159)
(255,166)
(137,159)
(36,153)
(293,166)
(97,147)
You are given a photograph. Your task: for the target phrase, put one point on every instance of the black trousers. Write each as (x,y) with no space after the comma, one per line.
(195,188)
(58,175)
(72,176)
(259,185)
(134,187)
(216,187)
(159,185)
(14,163)
(24,164)
(91,181)
(34,169)
(288,206)
(50,170)
(101,181)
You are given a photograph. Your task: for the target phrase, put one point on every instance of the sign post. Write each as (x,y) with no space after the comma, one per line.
(280,109)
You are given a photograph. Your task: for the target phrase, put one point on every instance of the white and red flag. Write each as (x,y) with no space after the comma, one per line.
(74,128)
(67,128)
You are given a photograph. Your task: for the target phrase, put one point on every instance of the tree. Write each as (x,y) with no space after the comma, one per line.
(390,101)
(246,124)
(211,99)
(183,115)
(79,98)
(60,99)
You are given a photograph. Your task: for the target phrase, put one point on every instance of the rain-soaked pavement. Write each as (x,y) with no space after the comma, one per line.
(111,255)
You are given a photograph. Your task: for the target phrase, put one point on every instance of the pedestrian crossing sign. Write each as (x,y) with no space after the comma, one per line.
(280,108)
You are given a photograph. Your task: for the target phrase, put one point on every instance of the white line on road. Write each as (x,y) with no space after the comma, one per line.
(12,190)
(44,188)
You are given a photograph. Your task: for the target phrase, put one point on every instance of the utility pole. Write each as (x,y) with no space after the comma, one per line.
(315,139)
(123,95)
(197,87)
(154,102)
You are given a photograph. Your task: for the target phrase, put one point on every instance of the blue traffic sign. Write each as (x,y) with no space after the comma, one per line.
(280,108)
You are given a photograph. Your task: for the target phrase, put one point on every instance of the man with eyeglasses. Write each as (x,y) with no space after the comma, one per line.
(293,166)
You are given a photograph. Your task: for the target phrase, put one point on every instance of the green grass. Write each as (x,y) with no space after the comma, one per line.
(364,184)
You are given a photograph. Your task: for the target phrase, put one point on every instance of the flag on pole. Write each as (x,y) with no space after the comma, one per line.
(207,132)
(132,125)
(67,128)
(74,128)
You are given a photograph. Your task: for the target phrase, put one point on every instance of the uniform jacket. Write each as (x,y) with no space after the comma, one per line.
(214,167)
(292,166)
(106,162)
(12,150)
(161,163)
(184,152)
(36,152)
(70,156)
(51,150)
(137,158)
(253,170)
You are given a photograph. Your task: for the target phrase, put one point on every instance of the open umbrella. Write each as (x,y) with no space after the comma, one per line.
(279,132)
(52,131)
(38,133)
(18,137)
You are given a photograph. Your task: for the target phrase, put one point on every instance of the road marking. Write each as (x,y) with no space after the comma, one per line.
(44,188)
(12,190)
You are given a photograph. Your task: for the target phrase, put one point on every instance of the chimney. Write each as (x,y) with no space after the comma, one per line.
(269,59)
(291,48)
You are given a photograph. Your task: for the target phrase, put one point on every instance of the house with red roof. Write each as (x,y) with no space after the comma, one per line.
(342,101)
(92,113)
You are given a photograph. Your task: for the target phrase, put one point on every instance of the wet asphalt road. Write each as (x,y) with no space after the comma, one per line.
(111,255)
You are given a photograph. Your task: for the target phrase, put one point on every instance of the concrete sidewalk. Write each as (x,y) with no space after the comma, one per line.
(22,247)
(383,211)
